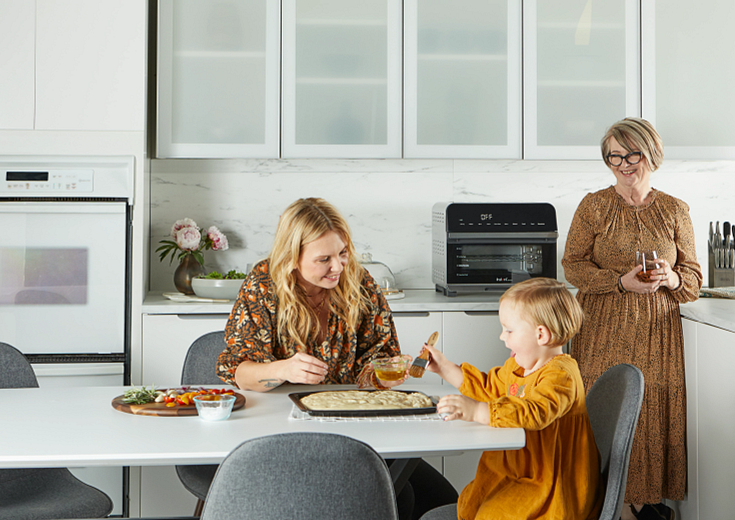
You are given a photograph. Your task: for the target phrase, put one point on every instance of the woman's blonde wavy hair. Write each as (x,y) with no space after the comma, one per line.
(303,222)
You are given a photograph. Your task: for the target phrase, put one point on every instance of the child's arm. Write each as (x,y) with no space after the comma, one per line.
(440,365)
(551,398)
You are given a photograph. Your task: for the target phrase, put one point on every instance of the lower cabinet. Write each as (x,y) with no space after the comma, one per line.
(474,338)
(166,339)
(710,424)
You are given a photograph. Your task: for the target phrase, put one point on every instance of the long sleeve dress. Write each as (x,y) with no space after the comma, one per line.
(556,475)
(641,329)
(251,332)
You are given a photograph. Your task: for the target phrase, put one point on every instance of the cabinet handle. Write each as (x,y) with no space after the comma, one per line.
(481,313)
(202,316)
(412,314)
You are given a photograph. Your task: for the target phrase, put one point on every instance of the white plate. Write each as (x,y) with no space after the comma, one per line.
(185,298)
(395,295)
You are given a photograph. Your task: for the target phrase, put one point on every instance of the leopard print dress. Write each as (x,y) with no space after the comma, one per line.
(641,329)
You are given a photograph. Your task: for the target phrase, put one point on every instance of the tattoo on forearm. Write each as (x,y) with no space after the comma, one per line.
(271,383)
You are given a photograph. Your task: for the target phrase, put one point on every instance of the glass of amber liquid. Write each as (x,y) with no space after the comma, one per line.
(649,260)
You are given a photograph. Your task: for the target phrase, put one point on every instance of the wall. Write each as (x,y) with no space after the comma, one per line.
(388,202)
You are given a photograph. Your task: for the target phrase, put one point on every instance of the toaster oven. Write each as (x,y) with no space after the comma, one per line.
(491,246)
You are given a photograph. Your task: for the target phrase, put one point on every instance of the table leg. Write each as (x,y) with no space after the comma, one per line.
(401,470)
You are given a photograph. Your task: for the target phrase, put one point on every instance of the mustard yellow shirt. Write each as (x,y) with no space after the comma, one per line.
(556,475)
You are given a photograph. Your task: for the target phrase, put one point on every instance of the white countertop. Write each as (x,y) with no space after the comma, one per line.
(45,427)
(416,300)
(717,312)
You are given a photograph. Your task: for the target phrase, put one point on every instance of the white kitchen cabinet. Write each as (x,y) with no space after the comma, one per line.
(17,54)
(462,78)
(474,338)
(73,65)
(342,78)
(166,339)
(413,329)
(90,65)
(581,74)
(219,78)
(715,468)
(689,509)
(688,72)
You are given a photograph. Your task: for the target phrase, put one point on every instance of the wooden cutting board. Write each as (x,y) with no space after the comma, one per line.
(161,410)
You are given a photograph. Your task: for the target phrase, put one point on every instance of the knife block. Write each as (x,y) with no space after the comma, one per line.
(720,277)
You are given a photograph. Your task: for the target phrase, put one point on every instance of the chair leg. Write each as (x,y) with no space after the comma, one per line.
(199,507)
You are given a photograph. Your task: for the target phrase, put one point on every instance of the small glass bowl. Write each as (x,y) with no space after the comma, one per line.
(390,369)
(214,407)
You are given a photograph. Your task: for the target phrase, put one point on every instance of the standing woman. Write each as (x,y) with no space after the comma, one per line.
(631,321)
(311,314)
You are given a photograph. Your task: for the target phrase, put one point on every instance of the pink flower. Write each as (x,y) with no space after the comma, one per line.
(219,240)
(183,223)
(188,238)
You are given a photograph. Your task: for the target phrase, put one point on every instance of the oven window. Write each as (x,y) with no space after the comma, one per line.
(43,276)
(500,263)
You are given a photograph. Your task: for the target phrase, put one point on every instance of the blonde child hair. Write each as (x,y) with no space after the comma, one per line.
(305,221)
(547,302)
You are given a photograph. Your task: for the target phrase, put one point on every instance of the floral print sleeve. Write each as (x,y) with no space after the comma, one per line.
(251,334)
(250,329)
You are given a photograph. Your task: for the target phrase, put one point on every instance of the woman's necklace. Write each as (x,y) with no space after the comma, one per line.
(318,307)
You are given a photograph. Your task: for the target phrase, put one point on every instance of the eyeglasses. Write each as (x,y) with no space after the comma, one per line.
(631,158)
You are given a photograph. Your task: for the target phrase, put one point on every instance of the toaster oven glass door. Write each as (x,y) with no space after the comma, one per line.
(473,263)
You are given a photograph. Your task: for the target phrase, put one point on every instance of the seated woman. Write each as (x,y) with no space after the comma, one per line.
(311,314)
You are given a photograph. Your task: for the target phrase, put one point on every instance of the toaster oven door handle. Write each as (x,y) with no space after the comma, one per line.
(521,236)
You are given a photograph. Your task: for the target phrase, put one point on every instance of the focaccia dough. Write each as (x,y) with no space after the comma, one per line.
(364,400)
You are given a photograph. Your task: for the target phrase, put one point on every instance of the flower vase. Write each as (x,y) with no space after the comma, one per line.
(188,269)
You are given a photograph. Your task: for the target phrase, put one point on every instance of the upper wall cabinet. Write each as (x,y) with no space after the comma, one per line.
(462,78)
(581,74)
(342,78)
(72,65)
(688,77)
(218,78)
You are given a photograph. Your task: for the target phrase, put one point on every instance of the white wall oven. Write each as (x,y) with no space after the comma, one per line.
(65,275)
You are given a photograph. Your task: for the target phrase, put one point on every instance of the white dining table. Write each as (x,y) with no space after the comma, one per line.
(42,427)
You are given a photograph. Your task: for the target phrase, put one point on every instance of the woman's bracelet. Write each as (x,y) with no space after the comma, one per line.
(620,285)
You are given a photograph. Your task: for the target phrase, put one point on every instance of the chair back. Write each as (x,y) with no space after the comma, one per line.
(614,404)
(15,370)
(304,476)
(200,365)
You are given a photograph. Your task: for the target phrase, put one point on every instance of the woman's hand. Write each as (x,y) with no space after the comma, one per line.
(463,408)
(302,368)
(664,276)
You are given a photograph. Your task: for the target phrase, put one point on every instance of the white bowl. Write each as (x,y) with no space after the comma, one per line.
(214,407)
(216,289)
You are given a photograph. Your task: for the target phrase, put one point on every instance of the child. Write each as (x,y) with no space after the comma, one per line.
(539,388)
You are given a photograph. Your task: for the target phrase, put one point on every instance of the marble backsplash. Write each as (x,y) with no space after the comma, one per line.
(388,202)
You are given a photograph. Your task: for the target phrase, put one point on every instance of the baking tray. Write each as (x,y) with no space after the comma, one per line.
(297,396)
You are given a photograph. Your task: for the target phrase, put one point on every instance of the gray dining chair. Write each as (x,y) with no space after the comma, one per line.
(304,476)
(613,404)
(200,369)
(49,493)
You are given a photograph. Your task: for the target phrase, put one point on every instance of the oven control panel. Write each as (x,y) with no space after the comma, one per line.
(25,182)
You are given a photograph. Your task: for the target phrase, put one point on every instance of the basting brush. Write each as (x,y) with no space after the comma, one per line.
(418,367)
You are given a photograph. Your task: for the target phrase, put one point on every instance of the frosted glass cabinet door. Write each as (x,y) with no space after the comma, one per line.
(581,74)
(462,78)
(218,78)
(342,78)
(688,76)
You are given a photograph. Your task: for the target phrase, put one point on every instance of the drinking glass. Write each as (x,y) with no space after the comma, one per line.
(649,260)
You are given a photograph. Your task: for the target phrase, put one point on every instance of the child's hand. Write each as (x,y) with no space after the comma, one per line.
(463,408)
(440,365)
